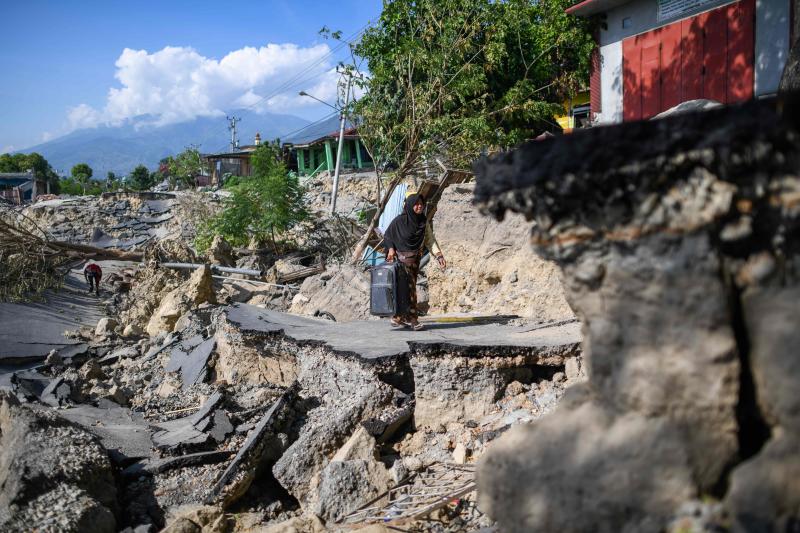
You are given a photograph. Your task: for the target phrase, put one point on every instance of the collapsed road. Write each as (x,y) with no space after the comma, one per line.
(210,407)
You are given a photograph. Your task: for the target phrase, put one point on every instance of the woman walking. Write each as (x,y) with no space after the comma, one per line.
(405,238)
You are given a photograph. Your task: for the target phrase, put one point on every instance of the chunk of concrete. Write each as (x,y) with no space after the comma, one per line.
(158,466)
(105,327)
(345,486)
(255,450)
(636,470)
(119,429)
(46,460)
(221,426)
(194,367)
(360,446)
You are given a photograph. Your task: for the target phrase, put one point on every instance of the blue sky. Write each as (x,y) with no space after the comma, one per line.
(69,64)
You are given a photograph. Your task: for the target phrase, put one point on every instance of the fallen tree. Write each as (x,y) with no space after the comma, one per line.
(31,263)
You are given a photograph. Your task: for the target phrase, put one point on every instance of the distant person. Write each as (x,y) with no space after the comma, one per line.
(92,272)
(406,238)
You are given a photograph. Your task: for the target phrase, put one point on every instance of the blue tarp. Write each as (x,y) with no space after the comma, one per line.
(393,207)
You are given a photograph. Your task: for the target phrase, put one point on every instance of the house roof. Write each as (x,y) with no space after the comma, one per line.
(585,8)
(243,153)
(15,179)
(350,133)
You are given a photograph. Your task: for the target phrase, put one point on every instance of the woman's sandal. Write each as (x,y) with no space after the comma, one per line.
(397,323)
(416,326)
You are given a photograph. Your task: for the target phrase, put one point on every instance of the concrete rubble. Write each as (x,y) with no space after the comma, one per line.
(649,389)
(216,409)
(680,259)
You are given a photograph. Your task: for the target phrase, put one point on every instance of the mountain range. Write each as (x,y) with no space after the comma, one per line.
(121,148)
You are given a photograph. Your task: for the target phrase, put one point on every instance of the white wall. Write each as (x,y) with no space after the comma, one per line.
(610,84)
(643,15)
(772,43)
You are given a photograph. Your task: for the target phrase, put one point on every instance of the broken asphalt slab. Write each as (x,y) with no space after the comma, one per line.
(118,429)
(373,339)
(28,331)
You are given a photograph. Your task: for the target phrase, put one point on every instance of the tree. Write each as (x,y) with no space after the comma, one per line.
(111,180)
(450,79)
(263,206)
(790,80)
(82,173)
(185,166)
(141,179)
(30,162)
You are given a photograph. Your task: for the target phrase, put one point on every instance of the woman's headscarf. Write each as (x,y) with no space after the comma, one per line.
(407,231)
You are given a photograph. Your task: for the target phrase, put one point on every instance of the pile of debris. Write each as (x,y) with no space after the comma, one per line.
(258,417)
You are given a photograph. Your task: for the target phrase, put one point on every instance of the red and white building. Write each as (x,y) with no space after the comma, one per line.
(655,54)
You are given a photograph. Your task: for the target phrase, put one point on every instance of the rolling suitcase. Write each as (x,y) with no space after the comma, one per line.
(388,295)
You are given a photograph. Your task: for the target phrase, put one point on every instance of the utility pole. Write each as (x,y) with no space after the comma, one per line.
(232,127)
(341,141)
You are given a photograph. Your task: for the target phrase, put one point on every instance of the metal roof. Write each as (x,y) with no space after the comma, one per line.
(592,7)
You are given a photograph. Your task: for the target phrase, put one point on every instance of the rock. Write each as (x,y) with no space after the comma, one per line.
(196,290)
(460,454)
(220,252)
(54,359)
(44,461)
(514,388)
(572,369)
(413,464)
(345,294)
(206,519)
(132,330)
(398,472)
(582,445)
(361,445)
(119,395)
(105,327)
(764,494)
(328,430)
(345,486)
(91,369)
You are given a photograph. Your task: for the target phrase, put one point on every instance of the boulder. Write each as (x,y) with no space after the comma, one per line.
(630,470)
(345,486)
(52,469)
(132,330)
(326,431)
(341,290)
(105,327)
(220,252)
(196,290)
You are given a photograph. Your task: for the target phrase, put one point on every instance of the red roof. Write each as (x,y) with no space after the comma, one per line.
(592,7)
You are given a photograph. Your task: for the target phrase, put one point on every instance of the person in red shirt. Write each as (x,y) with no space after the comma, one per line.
(92,272)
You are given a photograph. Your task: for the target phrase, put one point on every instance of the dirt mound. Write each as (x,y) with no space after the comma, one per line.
(491,267)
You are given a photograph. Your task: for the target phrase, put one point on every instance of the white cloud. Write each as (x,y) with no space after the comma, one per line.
(177,83)
(82,116)
(46,136)
(7,149)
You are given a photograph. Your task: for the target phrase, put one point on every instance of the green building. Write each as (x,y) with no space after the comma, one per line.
(320,154)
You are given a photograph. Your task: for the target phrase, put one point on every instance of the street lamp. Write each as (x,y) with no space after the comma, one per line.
(341,138)
(303,93)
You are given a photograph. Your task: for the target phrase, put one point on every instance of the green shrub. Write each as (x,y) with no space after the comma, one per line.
(263,206)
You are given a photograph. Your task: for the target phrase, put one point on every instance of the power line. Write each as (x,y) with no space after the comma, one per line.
(320,121)
(294,80)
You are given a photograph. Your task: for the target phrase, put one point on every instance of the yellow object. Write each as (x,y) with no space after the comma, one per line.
(567,120)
